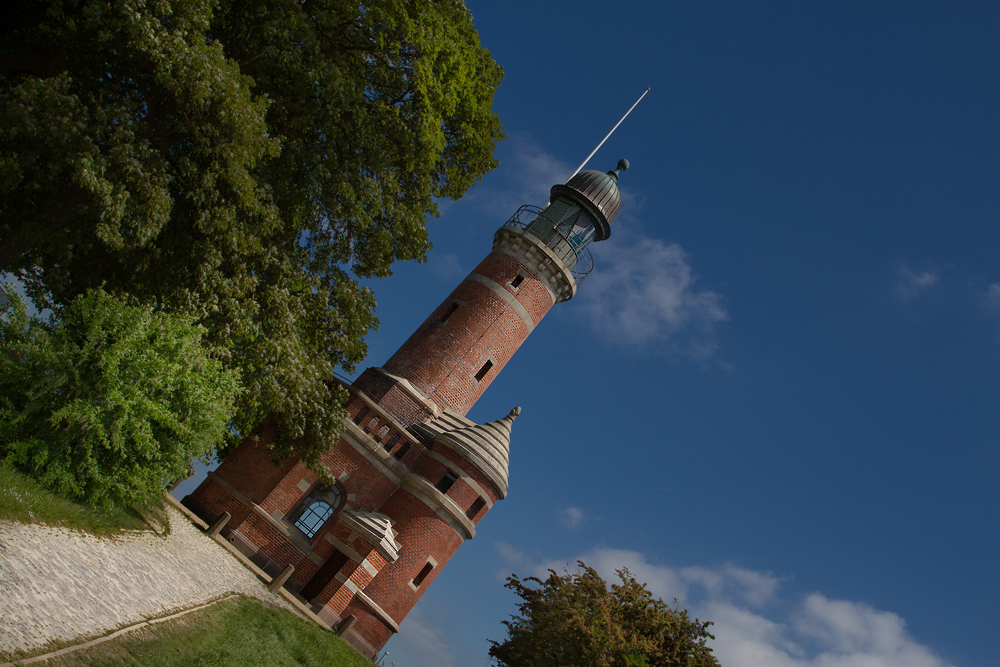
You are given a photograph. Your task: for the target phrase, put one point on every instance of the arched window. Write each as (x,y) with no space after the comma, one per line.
(317,508)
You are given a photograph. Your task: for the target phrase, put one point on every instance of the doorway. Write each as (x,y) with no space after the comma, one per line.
(323,576)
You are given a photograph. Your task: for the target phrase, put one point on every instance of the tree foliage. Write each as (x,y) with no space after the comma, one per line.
(111,400)
(573,619)
(243,162)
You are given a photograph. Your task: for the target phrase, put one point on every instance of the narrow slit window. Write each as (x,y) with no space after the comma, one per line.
(361,415)
(451,310)
(424,571)
(371,424)
(445,482)
(474,508)
(401,452)
(484,370)
(392,442)
(382,432)
(516,282)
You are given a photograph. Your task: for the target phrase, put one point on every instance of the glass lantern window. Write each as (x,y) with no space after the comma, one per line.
(578,228)
(566,228)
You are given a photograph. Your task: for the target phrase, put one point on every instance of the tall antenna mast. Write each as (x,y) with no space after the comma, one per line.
(608,135)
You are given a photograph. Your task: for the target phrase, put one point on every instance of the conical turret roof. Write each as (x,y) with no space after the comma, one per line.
(486,446)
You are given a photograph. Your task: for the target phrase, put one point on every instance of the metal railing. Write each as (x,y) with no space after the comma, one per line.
(526,215)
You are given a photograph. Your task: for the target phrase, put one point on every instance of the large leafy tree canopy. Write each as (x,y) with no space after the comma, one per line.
(574,620)
(241,161)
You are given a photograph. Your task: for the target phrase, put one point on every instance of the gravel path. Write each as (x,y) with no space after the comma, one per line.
(59,585)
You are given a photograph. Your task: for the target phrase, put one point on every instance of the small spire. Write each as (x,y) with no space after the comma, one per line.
(514,413)
(622,166)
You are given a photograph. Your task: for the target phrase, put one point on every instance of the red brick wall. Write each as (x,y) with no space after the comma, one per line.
(250,469)
(286,494)
(390,397)
(219,500)
(369,487)
(442,358)
(422,533)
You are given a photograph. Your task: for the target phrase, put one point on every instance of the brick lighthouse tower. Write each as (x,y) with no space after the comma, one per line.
(414,475)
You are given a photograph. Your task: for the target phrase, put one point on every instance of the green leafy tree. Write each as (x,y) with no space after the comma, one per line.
(111,400)
(244,162)
(574,620)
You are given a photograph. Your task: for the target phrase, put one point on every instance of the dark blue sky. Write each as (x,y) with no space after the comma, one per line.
(776,398)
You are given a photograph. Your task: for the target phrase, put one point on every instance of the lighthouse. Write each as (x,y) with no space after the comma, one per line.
(414,476)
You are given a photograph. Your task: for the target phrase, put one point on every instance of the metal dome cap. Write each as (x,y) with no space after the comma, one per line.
(598,193)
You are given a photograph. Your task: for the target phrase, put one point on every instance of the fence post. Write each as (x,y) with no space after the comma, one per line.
(219,524)
(345,625)
(280,580)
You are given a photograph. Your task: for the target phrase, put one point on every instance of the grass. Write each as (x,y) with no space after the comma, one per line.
(24,500)
(238,632)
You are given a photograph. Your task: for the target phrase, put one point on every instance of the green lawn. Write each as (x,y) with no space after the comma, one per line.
(24,500)
(238,632)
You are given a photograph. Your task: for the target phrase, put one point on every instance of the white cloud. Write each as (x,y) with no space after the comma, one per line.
(508,554)
(421,642)
(992,298)
(747,639)
(447,266)
(571,517)
(528,173)
(643,292)
(733,582)
(753,626)
(911,284)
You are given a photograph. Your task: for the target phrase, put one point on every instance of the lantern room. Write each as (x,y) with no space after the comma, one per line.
(579,212)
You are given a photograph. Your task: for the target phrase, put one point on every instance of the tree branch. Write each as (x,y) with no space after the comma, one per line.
(23,238)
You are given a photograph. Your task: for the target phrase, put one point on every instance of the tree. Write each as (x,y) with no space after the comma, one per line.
(243,162)
(109,402)
(574,620)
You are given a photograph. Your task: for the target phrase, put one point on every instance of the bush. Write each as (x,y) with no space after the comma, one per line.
(106,401)
(574,619)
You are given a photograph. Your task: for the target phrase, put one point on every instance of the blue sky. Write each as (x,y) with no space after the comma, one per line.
(776,396)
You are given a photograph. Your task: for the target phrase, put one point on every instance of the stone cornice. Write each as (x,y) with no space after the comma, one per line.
(381,613)
(507,297)
(530,251)
(384,544)
(400,475)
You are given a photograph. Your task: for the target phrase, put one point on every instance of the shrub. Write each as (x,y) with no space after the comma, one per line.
(107,400)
